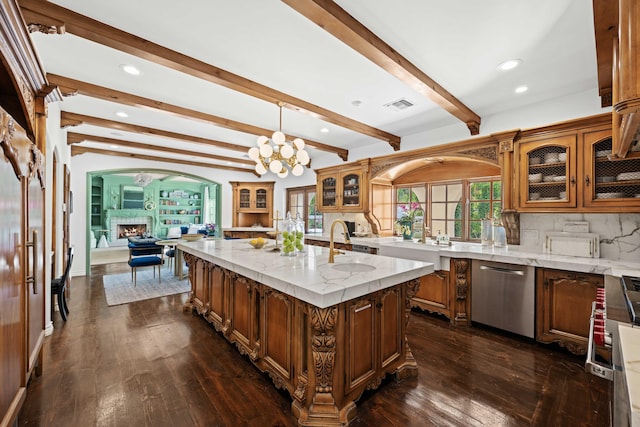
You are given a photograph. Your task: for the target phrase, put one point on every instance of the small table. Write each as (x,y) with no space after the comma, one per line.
(172,243)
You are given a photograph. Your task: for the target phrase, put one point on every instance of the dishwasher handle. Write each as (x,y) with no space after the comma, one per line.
(502,270)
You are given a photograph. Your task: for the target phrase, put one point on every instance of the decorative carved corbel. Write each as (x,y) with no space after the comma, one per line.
(36,166)
(66,122)
(323,345)
(46,29)
(511,220)
(461,304)
(474,127)
(7,128)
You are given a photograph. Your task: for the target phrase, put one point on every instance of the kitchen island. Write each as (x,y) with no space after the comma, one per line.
(324,332)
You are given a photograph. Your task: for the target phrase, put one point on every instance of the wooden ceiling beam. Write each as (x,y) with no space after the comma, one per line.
(337,22)
(70,87)
(76,138)
(74,119)
(77,150)
(44,14)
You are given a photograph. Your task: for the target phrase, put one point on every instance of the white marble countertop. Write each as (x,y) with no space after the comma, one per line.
(309,276)
(630,348)
(248,229)
(510,254)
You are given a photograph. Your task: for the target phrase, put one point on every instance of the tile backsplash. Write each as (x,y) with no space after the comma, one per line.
(619,233)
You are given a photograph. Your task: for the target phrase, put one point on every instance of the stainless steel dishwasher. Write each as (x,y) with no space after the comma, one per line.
(503,296)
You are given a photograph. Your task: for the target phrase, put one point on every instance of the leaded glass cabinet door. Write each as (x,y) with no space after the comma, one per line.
(609,182)
(547,177)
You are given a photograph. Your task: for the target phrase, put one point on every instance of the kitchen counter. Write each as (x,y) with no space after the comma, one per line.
(510,254)
(630,349)
(323,332)
(260,229)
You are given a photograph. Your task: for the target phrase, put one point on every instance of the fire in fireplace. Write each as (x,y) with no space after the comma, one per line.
(131,230)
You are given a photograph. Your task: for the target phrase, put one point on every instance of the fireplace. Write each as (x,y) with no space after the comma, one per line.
(131,230)
(125,223)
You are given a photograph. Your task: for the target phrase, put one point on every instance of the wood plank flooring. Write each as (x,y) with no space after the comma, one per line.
(151,364)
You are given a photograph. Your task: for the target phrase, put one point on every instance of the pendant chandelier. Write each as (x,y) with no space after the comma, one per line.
(142,179)
(280,157)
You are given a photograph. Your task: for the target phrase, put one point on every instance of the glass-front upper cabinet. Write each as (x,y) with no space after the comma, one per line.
(547,172)
(253,197)
(609,182)
(341,191)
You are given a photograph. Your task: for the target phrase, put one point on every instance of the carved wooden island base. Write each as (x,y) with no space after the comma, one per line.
(324,357)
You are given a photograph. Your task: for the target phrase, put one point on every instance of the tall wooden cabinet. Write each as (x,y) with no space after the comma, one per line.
(252,203)
(22,250)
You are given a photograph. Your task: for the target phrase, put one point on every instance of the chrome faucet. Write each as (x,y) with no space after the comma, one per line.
(332,251)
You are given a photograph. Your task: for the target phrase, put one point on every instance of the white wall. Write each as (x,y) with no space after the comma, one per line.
(55,144)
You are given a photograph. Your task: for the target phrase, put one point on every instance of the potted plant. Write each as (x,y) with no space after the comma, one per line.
(407,217)
(211,229)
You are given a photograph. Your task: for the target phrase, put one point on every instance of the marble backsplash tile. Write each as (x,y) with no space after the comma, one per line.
(619,233)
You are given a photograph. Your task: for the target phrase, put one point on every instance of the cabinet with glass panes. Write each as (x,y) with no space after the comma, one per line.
(548,172)
(577,170)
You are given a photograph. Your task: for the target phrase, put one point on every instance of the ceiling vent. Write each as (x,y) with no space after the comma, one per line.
(400,104)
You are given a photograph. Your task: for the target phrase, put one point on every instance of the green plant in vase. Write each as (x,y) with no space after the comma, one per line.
(408,215)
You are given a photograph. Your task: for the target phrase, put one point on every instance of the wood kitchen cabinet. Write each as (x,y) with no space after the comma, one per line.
(563,307)
(548,172)
(252,203)
(434,294)
(369,352)
(342,189)
(609,184)
(572,169)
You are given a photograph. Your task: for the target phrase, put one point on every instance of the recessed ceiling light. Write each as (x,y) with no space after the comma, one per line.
(521,89)
(114,146)
(324,130)
(121,114)
(115,133)
(229,163)
(356,103)
(130,69)
(509,65)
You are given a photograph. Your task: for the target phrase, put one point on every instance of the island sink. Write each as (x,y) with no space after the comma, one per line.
(354,267)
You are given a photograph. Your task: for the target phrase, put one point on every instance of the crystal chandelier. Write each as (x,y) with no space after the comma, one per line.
(280,157)
(142,179)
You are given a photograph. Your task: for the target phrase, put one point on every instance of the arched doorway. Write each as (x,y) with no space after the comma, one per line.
(150,202)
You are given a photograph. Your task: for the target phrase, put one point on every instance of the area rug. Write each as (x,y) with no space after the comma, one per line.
(119,289)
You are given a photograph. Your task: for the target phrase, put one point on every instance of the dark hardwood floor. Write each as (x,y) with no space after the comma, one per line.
(151,364)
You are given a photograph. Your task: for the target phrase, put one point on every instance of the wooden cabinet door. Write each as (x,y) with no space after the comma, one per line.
(350,195)
(391,323)
(609,184)
(327,192)
(434,293)
(199,278)
(563,307)
(362,352)
(34,256)
(547,173)
(12,331)
(244,201)
(277,347)
(261,199)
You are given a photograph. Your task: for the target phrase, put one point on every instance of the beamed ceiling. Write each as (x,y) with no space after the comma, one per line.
(213,72)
